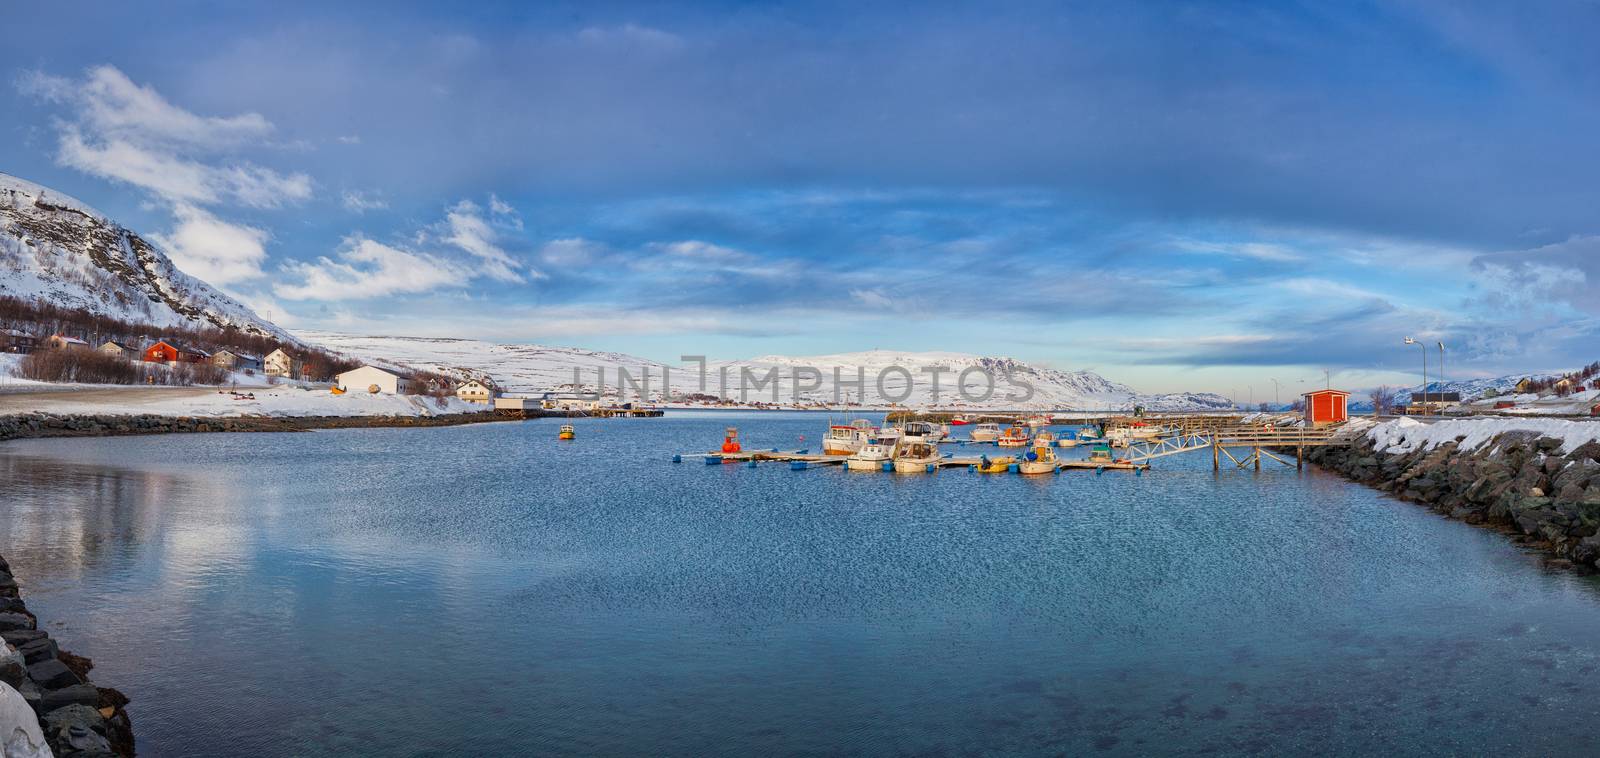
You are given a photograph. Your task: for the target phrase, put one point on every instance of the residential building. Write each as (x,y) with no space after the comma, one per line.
(374,380)
(476,391)
(117,349)
(229,359)
(281,363)
(167,352)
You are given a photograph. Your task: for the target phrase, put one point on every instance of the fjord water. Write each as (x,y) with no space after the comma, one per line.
(488,590)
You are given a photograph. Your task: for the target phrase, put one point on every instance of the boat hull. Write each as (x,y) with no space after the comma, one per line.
(914,465)
(1034,468)
(864,464)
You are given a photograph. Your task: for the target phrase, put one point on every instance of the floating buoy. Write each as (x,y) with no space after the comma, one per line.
(887,466)
(677,459)
(710,459)
(750,463)
(797,465)
(1014,468)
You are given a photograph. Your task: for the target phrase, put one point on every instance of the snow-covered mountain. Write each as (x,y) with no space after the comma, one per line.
(58,250)
(877,378)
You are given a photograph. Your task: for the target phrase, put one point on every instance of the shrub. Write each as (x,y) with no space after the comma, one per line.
(84,366)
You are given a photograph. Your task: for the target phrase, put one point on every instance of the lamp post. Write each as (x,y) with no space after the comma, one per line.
(1441,366)
(1424,347)
(1274,394)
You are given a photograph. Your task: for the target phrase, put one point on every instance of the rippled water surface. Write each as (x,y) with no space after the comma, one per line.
(488,590)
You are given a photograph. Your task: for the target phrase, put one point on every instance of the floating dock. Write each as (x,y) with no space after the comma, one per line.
(803,459)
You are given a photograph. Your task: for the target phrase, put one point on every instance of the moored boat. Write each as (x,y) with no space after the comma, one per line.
(987,465)
(872,456)
(1044,437)
(1014,436)
(961,420)
(916,457)
(566,433)
(1067,439)
(985,433)
(1040,460)
(845,439)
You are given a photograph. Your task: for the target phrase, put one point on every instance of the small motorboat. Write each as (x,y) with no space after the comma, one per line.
(872,456)
(1100,454)
(1067,439)
(844,439)
(1044,437)
(916,457)
(1014,436)
(566,433)
(960,421)
(987,465)
(337,390)
(1040,460)
(985,433)
(922,430)
(1034,422)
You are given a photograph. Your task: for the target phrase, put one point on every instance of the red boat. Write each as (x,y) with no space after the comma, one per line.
(959,421)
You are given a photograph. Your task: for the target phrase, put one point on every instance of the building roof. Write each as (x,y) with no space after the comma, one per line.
(178,347)
(1324,392)
(374,368)
(65,338)
(245,356)
(122,345)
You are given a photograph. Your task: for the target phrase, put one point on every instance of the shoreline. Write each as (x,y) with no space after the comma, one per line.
(41,425)
(1524,484)
(39,679)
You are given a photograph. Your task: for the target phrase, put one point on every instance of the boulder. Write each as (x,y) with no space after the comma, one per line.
(41,649)
(12,621)
(52,674)
(13,667)
(20,735)
(80,694)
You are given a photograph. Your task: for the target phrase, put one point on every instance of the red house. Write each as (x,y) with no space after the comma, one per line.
(166,352)
(1326,407)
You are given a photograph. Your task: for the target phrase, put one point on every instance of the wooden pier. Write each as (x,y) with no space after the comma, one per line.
(1257,443)
(803,459)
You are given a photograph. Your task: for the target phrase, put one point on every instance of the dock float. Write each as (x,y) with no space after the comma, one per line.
(802,460)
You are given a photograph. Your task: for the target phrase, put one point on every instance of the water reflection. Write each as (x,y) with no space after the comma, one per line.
(325,593)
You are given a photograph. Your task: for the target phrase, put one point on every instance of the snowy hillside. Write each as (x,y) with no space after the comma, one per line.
(58,250)
(532,369)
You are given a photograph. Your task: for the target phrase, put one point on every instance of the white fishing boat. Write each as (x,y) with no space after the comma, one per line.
(1034,422)
(985,433)
(1067,439)
(916,457)
(872,456)
(1040,460)
(923,430)
(1014,436)
(1044,437)
(844,439)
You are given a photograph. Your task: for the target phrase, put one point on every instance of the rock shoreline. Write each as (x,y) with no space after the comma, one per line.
(74,717)
(108,425)
(1520,482)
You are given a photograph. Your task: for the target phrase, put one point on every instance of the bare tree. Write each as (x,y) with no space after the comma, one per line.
(1383,399)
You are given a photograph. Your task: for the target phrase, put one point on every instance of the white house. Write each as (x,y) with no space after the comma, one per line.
(374,380)
(475,391)
(280,363)
(233,360)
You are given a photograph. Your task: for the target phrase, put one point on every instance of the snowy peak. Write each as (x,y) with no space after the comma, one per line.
(58,250)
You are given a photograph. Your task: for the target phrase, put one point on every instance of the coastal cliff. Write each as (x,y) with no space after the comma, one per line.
(1538,480)
(46,697)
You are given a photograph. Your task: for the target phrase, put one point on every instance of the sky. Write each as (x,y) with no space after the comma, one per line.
(1177,195)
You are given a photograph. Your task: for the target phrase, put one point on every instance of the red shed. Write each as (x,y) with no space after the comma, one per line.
(1326,407)
(166,352)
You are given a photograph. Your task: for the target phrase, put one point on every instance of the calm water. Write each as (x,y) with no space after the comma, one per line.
(487,590)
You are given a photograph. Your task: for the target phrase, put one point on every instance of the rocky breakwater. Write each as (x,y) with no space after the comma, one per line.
(47,703)
(1536,479)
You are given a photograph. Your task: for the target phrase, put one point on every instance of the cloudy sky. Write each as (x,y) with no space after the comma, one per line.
(1177,195)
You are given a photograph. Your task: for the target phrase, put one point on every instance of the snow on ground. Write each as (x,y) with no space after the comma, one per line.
(280,401)
(1405,435)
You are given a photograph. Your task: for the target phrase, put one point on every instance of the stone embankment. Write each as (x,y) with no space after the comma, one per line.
(46,698)
(104,425)
(1542,489)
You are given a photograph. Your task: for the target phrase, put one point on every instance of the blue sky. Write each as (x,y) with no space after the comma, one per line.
(1178,195)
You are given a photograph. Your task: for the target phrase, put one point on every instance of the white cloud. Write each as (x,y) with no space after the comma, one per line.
(698,250)
(214,250)
(466,228)
(361,202)
(349,139)
(632,36)
(1261,251)
(366,269)
(572,251)
(112,107)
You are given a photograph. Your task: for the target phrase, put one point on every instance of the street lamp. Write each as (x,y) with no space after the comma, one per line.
(1274,394)
(1441,366)
(1424,347)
